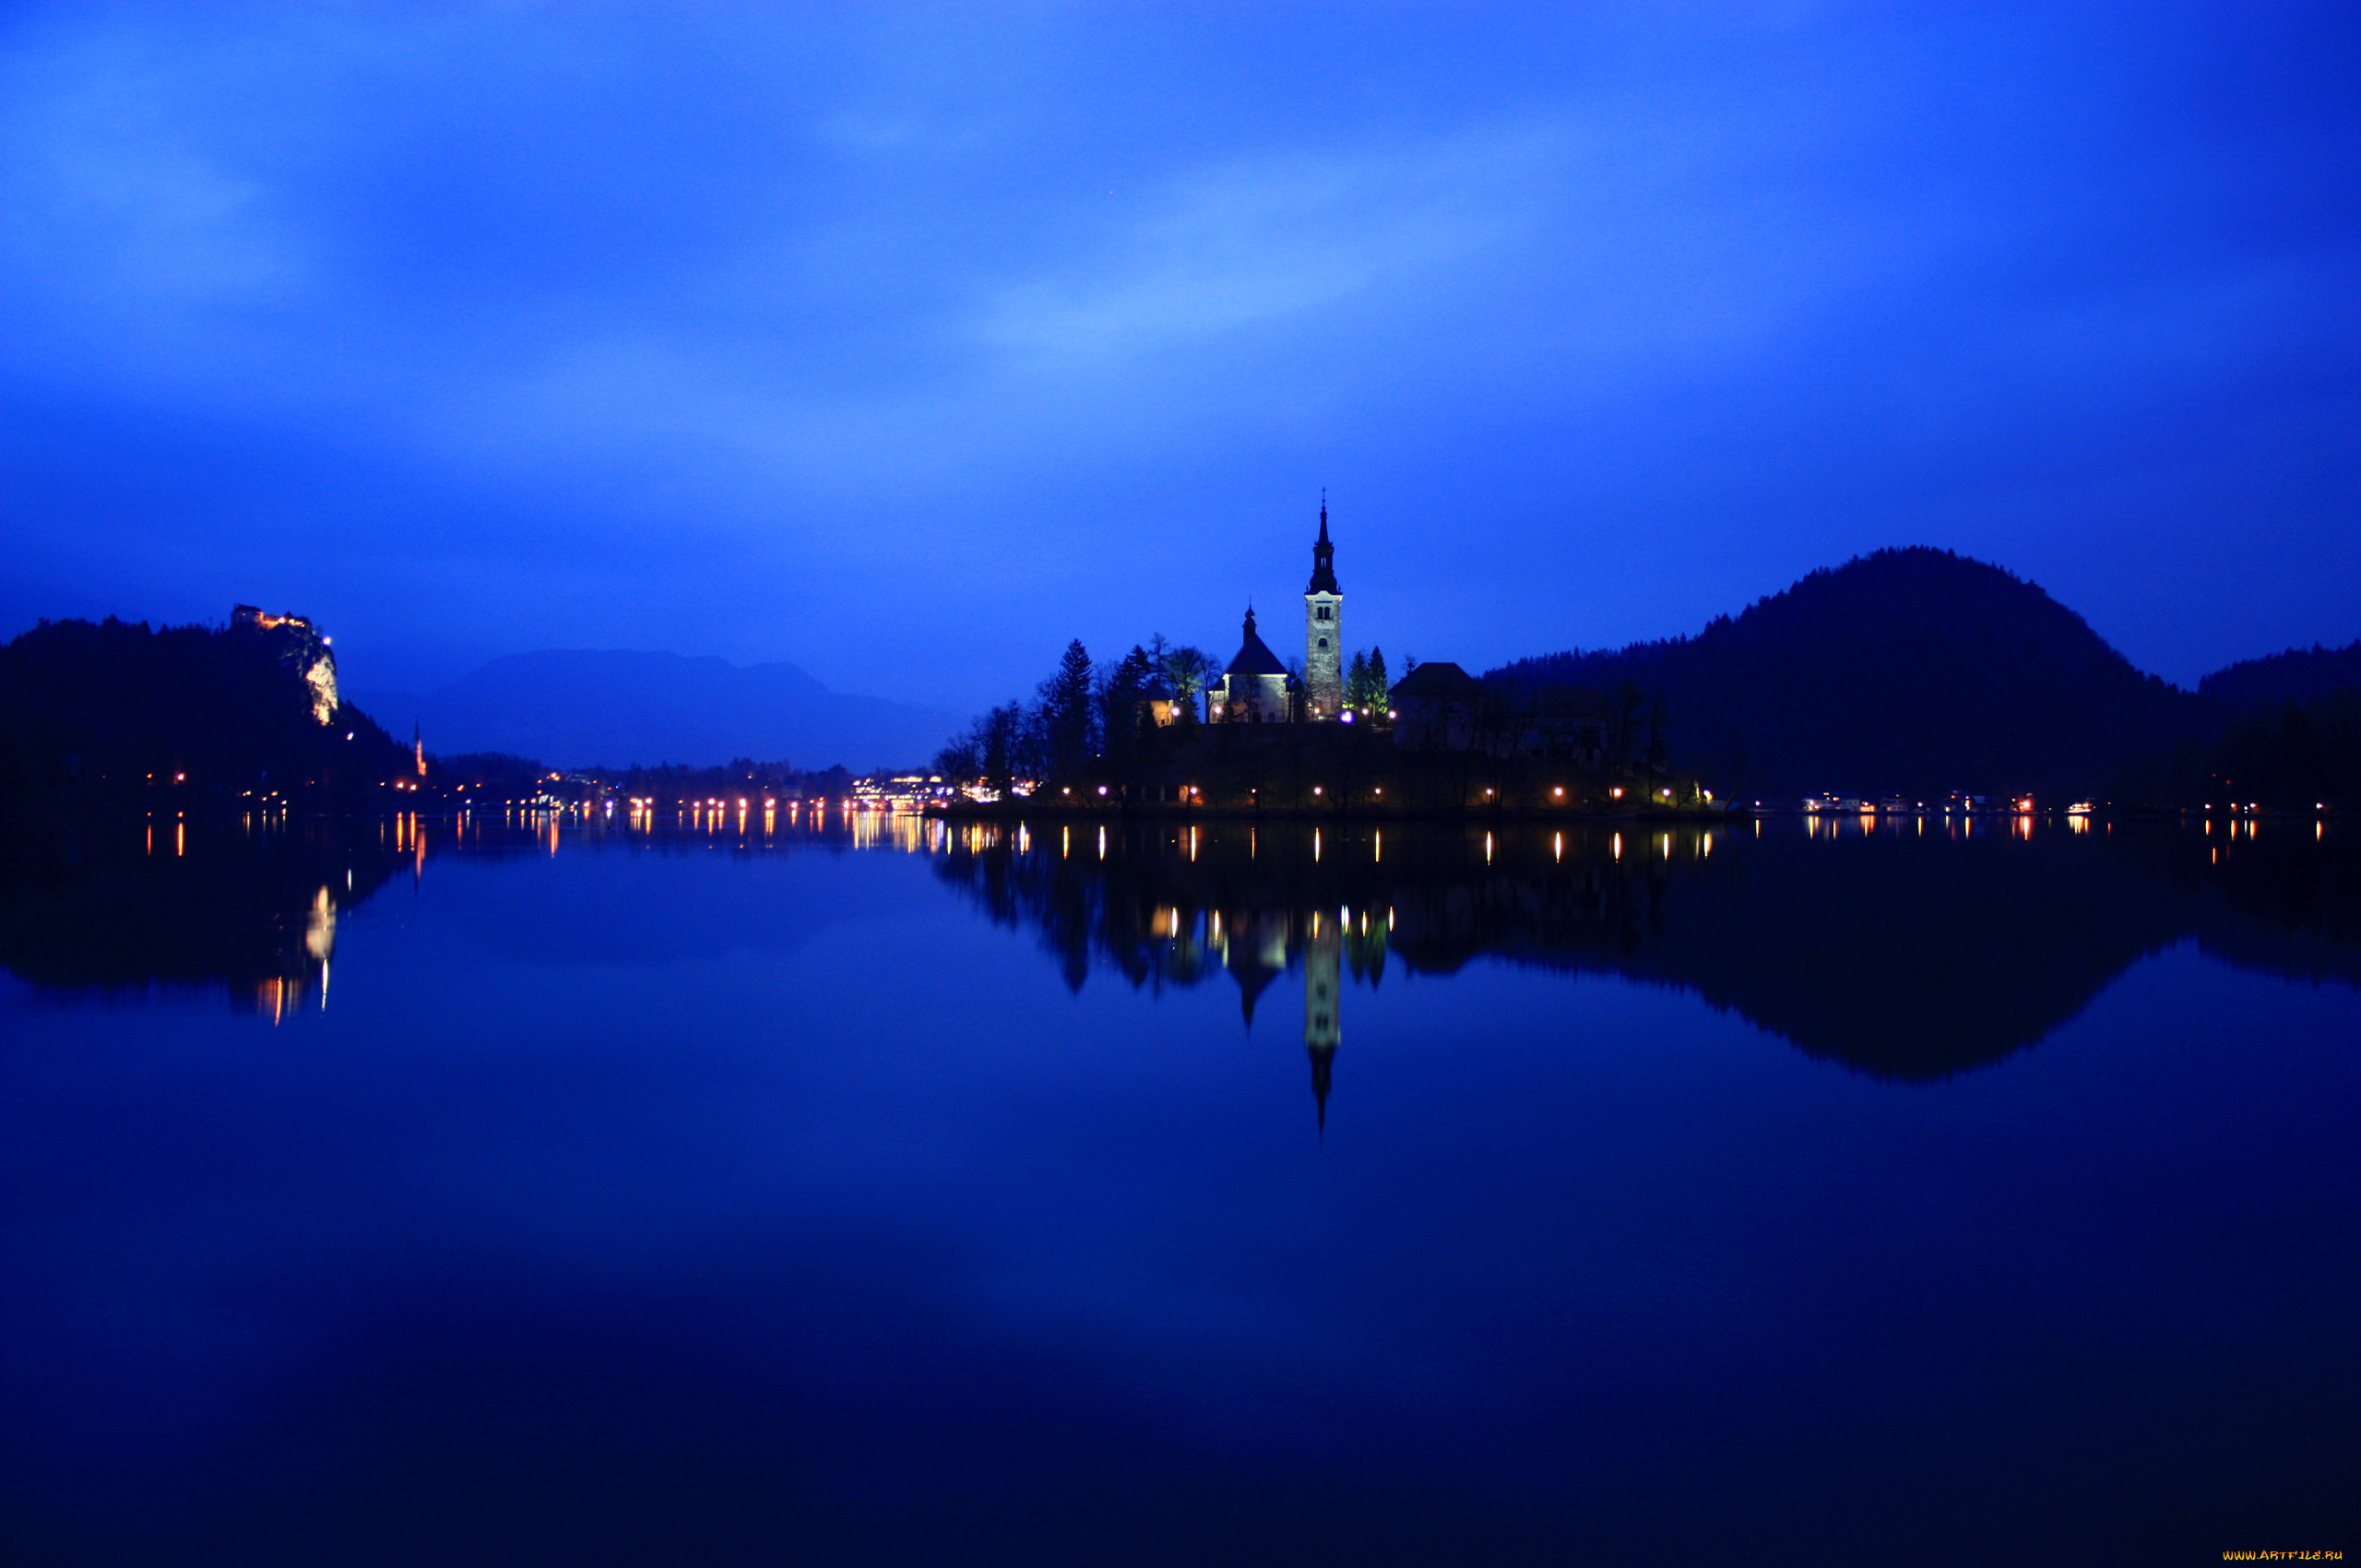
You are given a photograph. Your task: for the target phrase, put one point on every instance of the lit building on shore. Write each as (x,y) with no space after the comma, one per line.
(1256,687)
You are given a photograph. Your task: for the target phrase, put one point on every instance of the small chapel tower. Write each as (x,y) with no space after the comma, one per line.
(1323,630)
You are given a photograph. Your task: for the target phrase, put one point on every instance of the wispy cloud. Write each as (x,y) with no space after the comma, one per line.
(1270,239)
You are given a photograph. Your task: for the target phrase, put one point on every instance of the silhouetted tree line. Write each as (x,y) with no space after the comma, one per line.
(2297,675)
(115,711)
(2286,755)
(1083,714)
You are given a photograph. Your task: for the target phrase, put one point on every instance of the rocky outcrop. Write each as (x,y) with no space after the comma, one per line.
(300,649)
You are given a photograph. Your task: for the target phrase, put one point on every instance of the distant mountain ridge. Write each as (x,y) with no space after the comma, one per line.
(1911,670)
(614,708)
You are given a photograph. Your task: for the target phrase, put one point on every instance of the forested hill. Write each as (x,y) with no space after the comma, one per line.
(2300,674)
(1912,670)
(115,710)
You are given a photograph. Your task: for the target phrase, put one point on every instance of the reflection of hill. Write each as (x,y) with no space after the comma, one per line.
(96,904)
(2279,897)
(1907,953)
(111,903)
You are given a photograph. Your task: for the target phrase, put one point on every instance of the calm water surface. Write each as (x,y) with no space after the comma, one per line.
(375,1193)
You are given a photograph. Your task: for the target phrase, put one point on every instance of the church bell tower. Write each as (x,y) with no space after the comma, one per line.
(1320,1029)
(1323,630)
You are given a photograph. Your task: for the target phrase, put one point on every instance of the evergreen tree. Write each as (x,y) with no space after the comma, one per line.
(1123,721)
(1066,716)
(1366,685)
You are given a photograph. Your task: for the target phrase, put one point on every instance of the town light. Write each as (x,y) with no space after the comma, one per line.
(1102,789)
(1559,791)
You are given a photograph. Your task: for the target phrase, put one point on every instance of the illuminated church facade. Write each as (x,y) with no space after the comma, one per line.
(1257,686)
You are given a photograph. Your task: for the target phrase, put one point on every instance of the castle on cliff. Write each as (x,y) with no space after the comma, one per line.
(1258,688)
(299,648)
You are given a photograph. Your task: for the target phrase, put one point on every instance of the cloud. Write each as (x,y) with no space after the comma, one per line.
(1259,241)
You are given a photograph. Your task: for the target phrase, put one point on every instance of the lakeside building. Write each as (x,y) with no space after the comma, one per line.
(1436,706)
(1256,687)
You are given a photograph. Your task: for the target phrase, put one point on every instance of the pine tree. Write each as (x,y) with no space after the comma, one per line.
(1366,685)
(1066,711)
(1121,721)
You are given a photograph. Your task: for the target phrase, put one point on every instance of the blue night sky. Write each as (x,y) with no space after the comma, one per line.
(905,344)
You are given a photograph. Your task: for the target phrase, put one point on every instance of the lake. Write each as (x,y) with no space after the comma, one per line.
(893,1190)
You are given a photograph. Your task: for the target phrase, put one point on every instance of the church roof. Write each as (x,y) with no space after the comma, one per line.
(1439,679)
(1254,655)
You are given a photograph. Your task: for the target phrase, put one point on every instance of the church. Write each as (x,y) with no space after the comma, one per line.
(1257,687)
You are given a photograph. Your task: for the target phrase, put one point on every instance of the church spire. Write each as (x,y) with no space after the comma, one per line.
(1322,1064)
(1324,556)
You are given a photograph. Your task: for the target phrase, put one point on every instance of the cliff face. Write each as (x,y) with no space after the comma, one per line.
(300,648)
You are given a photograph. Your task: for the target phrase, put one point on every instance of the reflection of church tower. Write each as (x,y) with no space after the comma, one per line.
(1323,630)
(1320,1026)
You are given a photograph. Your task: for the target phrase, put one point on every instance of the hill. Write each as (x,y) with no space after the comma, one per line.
(2300,674)
(114,710)
(1913,670)
(579,708)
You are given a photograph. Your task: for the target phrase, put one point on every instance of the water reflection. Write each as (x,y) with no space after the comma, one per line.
(1902,953)
(111,910)
(738,1191)
(1907,947)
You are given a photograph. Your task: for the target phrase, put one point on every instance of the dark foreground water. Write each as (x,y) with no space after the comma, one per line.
(372,1194)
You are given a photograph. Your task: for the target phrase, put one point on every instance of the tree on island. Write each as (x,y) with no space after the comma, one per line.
(1366,685)
(1187,671)
(1123,721)
(1066,711)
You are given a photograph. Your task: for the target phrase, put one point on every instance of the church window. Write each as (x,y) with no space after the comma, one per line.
(1324,613)
(1323,642)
